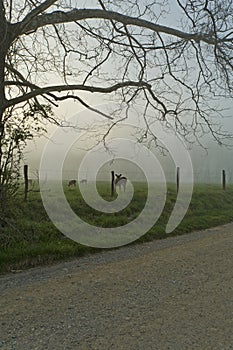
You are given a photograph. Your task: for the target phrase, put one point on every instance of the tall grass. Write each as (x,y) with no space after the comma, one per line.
(29,238)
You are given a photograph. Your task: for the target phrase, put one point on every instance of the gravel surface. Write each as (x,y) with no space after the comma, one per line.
(173,294)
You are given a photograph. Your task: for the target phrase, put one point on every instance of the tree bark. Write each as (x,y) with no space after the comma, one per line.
(58,17)
(3,51)
(4,45)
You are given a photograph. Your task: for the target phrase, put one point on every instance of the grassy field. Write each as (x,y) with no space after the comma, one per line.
(30,239)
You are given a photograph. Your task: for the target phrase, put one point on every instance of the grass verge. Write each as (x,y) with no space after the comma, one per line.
(30,239)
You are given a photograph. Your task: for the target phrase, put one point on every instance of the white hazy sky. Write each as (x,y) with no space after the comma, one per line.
(205,165)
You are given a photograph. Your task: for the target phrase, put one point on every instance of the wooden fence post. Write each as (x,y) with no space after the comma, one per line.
(112,184)
(177,179)
(223,179)
(25,172)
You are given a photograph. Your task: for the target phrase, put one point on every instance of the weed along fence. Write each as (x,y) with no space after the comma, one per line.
(29,183)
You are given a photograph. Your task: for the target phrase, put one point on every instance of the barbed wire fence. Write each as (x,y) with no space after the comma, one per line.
(221,177)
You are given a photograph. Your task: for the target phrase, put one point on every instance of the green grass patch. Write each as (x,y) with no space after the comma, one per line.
(30,239)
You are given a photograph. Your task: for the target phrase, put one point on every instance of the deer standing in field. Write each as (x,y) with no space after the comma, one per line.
(30,182)
(72,183)
(120,181)
(83,181)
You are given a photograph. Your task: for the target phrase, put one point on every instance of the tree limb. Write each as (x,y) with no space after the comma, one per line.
(57,17)
(37,11)
(60,88)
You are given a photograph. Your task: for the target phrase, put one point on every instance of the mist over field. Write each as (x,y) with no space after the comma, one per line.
(207,161)
(207,164)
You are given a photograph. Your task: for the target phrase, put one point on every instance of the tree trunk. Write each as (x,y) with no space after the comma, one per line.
(4,45)
(3,52)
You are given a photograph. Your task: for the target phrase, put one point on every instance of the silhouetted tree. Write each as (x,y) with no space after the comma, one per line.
(56,50)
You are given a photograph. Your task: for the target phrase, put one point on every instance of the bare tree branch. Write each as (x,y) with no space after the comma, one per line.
(37,11)
(83,14)
(61,88)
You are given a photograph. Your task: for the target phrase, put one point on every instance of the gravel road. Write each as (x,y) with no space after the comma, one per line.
(173,294)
